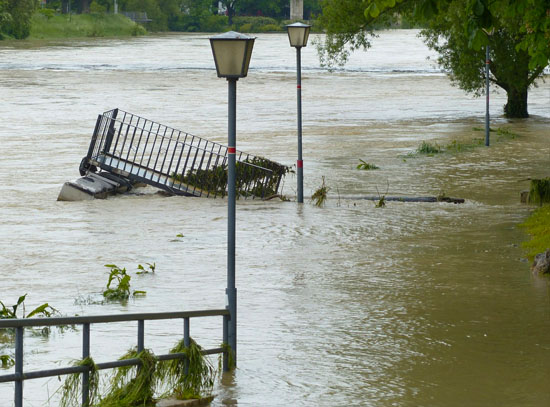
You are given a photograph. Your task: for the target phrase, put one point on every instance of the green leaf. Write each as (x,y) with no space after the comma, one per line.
(479,8)
(372,11)
(43,309)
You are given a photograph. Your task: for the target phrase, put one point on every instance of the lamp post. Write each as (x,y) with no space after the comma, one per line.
(487,125)
(232,52)
(298,34)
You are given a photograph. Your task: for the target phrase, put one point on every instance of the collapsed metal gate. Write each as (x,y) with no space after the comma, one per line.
(144,151)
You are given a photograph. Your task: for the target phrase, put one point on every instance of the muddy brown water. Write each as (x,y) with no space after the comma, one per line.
(410,305)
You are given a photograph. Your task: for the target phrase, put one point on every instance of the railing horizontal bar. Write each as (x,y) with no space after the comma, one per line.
(100,366)
(96,319)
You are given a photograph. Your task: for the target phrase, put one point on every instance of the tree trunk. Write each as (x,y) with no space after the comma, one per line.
(516,107)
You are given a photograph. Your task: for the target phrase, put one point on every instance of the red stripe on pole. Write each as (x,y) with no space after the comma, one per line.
(231,150)
(300,163)
(299,86)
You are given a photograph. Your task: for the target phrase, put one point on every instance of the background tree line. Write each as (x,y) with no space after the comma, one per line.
(188,15)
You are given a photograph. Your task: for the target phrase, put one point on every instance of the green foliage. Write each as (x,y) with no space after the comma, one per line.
(118,285)
(319,197)
(538,226)
(84,25)
(71,390)
(539,192)
(95,7)
(250,178)
(47,12)
(517,33)
(363,165)
(428,148)
(133,385)
(151,268)
(255,24)
(6,361)
(15,18)
(44,310)
(191,377)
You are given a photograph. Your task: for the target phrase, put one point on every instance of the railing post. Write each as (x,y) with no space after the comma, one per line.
(186,340)
(141,335)
(19,366)
(86,374)
(225,343)
(110,132)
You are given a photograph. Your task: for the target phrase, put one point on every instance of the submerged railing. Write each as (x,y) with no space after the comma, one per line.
(20,324)
(180,163)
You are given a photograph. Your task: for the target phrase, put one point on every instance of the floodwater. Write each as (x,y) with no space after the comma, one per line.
(414,304)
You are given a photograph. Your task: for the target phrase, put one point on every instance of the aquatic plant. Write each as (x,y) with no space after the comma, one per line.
(121,291)
(71,389)
(363,165)
(319,197)
(44,310)
(151,268)
(6,361)
(539,193)
(428,148)
(192,377)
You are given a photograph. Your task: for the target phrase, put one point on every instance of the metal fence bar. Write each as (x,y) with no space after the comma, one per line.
(19,366)
(19,324)
(86,374)
(141,335)
(225,342)
(186,340)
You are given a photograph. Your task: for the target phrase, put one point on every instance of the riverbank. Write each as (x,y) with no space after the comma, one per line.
(83,25)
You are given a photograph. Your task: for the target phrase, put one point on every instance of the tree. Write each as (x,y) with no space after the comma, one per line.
(230,7)
(15,17)
(459,31)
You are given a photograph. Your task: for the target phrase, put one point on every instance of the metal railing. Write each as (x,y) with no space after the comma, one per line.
(175,161)
(20,324)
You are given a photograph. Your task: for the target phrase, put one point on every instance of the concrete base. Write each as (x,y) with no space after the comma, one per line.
(185,403)
(92,186)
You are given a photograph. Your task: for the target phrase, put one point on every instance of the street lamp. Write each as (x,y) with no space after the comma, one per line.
(232,52)
(298,34)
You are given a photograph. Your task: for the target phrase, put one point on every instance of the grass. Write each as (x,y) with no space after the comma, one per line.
(455,146)
(83,25)
(538,226)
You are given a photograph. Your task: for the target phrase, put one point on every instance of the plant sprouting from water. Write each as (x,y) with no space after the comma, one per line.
(150,268)
(6,361)
(118,285)
(363,165)
(44,310)
(319,197)
(428,148)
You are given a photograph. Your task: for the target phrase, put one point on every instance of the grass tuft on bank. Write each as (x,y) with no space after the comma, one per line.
(538,226)
(83,25)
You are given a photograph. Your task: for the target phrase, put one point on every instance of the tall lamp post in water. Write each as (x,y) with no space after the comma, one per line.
(298,34)
(232,52)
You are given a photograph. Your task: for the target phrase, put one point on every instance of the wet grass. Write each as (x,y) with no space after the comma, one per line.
(538,226)
(430,149)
